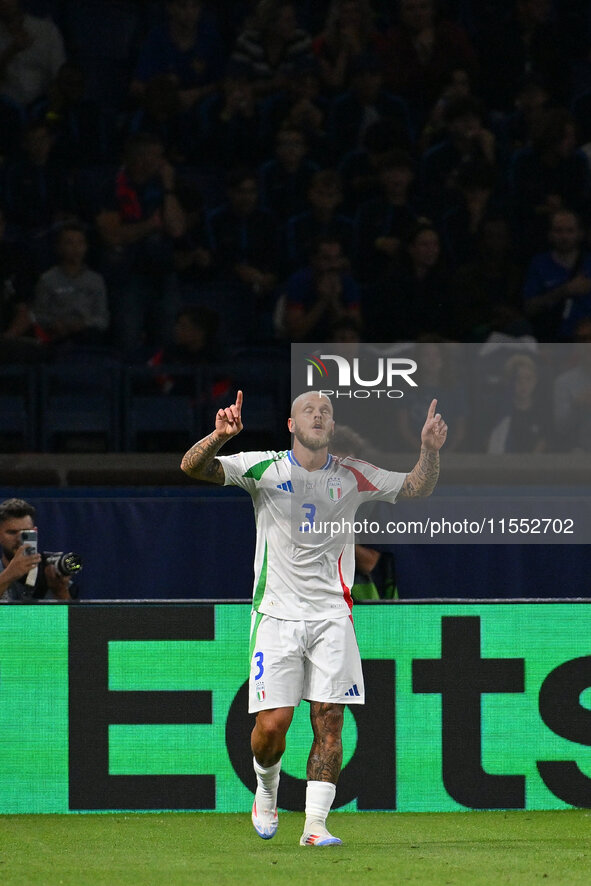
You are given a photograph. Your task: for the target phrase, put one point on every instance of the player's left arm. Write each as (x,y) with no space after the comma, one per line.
(421,481)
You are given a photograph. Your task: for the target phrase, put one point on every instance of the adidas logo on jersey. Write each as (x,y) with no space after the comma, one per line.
(287,487)
(353,691)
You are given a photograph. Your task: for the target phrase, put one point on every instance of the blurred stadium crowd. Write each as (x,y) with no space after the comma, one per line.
(187,186)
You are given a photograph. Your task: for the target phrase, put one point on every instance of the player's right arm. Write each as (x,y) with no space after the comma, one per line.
(200,460)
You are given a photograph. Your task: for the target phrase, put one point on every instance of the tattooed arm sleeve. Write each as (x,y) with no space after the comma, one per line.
(201,463)
(423,478)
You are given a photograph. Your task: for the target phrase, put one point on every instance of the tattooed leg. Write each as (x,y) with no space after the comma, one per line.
(326,755)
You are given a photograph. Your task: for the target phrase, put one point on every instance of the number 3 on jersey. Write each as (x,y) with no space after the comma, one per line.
(309,512)
(258,658)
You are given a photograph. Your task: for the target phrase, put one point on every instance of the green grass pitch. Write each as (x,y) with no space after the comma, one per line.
(178,849)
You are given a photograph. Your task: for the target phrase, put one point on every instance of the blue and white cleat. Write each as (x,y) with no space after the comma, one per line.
(265,821)
(321,839)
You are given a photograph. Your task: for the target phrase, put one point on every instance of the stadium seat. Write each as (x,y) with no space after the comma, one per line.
(265,383)
(162,408)
(17,406)
(80,399)
(236,308)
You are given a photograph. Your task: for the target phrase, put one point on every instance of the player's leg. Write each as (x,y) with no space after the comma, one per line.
(333,679)
(275,688)
(267,739)
(268,744)
(324,767)
(326,754)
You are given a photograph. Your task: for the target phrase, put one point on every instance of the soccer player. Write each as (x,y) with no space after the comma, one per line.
(302,643)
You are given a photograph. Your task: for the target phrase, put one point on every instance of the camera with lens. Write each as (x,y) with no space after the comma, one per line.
(66,563)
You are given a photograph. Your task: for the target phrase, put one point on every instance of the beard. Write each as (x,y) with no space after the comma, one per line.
(311,442)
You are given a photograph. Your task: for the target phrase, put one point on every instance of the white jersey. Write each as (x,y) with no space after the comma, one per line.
(303,571)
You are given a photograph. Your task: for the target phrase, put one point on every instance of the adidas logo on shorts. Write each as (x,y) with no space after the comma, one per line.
(352,691)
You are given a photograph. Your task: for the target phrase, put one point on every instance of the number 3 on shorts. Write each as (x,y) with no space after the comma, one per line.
(258,657)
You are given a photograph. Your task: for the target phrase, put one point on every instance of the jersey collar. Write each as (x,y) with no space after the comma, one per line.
(294,461)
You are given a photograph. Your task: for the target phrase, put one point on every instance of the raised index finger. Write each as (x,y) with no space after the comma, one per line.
(239,400)
(432,407)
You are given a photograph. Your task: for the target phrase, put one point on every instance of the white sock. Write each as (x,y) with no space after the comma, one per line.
(319,799)
(267,784)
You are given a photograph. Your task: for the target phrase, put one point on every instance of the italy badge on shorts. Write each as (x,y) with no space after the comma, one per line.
(335,488)
(260,690)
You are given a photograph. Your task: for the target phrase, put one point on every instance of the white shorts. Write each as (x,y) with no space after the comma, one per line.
(310,660)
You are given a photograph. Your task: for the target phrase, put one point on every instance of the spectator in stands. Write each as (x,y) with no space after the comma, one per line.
(415,299)
(360,170)
(572,395)
(284,180)
(193,259)
(78,123)
(347,330)
(325,197)
(525,41)
(272,45)
(160,114)
(516,129)
(320,295)
(487,290)
(301,105)
(232,121)
(384,223)
(70,305)
(581,109)
(17,342)
(477,198)
(457,86)
(140,218)
(37,195)
(243,237)
(234,16)
(438,376)
(194,344)
(31,54)
(467,139)
(189,50)
(194,340)
(524,426)
(557,290)
(349,32)
(365,102)
(550,174)
(420,52)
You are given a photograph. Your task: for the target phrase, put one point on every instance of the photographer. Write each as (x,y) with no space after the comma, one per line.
(16,516)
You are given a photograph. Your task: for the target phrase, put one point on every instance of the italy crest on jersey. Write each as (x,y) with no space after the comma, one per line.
(335,488)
